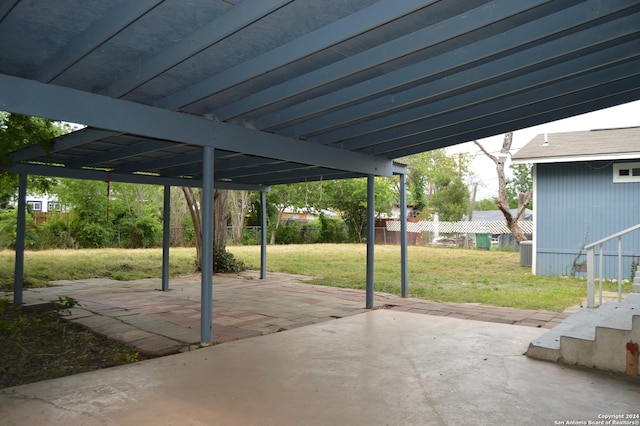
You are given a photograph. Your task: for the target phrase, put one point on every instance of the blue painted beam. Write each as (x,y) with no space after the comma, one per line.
(18,275)
(178,161)
(166,237)
(206,287)
(114,21)
(620,79)
(60,103)
(565,104)
(348,27)
(263,235)
(124,151)
(397,48)
(302,175)
(54,171)
(285,179)
(526,82)
(265,169)
(371,238)
(238,17)
(525,36)
(61,143)
(6,7)
(229,164)
(404,258)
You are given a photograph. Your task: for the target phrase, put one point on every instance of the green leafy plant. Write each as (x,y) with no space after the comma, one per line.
(65,304)
(634,267)
(224,261)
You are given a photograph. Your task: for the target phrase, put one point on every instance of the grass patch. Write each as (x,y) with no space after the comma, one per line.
(435,273)
(119,264)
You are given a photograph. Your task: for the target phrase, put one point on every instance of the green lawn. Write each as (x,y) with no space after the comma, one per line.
(120,264)
(435,273)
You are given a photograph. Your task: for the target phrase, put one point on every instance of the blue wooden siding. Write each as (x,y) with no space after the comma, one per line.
(577,204)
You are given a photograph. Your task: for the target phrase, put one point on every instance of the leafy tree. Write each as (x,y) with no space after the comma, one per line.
(520,183)
(18,131)
(295,195)
(485,204)
(87,202)
(98,212)
(349,197)
(435,181)
(450,198)
(136,211)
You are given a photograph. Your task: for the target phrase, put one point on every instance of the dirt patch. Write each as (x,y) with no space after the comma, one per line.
(36,343)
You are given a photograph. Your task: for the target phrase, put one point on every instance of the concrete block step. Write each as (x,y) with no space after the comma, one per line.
(574,340)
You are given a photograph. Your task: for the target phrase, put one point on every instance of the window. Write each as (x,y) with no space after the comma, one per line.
(626,172)
(35,206)
(54,206)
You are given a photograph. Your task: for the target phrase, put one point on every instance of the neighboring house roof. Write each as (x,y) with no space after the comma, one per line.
(601,144)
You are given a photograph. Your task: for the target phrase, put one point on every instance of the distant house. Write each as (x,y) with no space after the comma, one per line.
(42,206)
(586,187)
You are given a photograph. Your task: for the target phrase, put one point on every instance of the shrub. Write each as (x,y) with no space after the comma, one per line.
(288,234)
(8,227)
(225,262)
(143,232)
(331,230)
(94,235)
(54,234)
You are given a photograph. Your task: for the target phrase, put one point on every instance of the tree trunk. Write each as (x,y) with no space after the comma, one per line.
(238,205)
(219,225)
(512,223)
(193,205)
(220,199)
(502,200)
(279,215)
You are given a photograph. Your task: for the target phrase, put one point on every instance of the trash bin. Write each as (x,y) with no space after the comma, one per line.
(526,253)
(483,241)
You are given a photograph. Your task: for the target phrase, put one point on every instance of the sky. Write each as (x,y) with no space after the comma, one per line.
(483,169)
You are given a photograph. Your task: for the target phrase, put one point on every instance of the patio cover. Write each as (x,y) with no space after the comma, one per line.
(246,94)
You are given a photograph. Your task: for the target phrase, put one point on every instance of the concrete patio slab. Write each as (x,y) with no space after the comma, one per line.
(377,368)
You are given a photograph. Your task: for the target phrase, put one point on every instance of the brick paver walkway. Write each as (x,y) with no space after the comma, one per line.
(156,322)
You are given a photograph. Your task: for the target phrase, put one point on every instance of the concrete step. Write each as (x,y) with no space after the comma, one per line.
(593,337)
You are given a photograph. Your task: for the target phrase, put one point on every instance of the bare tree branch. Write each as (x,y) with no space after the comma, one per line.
(502,200)
(492,157)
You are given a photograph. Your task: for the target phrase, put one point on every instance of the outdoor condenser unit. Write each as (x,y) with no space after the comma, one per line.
(526,253)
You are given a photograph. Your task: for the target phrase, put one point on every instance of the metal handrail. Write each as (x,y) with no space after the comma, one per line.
(591,263)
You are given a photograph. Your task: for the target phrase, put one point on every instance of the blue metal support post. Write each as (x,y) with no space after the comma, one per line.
(166,237)
(206,291)
(18,279)
(404,260)
(263,235)
(371,236)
